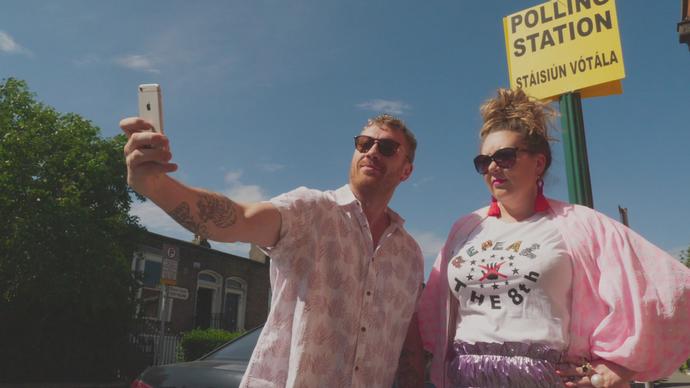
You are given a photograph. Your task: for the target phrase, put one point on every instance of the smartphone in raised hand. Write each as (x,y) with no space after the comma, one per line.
(151,105)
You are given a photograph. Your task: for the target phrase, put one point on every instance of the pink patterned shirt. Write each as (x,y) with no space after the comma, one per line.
(341,306)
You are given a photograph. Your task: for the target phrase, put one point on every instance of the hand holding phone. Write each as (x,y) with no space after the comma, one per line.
(151,105)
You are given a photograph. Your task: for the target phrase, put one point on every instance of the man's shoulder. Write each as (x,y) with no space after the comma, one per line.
(411,243)
(303,194)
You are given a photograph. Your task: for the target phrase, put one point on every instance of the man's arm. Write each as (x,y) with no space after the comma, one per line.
(411,365)
(208,214)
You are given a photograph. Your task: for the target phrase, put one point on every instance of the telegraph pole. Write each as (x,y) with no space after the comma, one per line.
(161,317)
(575,146)
(623,211)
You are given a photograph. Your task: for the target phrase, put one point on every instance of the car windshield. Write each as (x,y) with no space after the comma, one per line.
(239,349)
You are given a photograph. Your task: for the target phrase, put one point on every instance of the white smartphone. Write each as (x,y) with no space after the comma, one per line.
(151,105)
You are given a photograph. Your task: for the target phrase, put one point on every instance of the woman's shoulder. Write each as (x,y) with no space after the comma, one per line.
(467,222)
(472,217)
(565,209)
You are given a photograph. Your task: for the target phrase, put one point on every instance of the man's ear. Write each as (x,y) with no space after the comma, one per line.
(406,172)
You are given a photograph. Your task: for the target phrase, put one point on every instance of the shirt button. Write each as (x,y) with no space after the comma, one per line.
(368,293)
(364,329)
(356,368)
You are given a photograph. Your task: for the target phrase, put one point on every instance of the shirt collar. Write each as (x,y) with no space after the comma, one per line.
(344,196)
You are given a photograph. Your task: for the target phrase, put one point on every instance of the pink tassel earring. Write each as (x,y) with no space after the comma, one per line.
(494,210)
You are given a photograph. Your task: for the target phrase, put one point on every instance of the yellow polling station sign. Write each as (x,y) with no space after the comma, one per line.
(565,45)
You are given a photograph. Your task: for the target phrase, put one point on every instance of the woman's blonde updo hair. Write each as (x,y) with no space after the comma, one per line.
(513,110)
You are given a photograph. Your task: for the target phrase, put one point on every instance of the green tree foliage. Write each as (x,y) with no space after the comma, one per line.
(66,243)
(685,257)
(198,342)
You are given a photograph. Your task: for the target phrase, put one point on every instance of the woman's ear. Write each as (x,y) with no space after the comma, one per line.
(541,164)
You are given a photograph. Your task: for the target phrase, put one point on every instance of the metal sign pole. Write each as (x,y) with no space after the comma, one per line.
(161,334)
(575,145)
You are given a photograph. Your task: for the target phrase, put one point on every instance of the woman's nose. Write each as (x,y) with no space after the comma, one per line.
(493,167)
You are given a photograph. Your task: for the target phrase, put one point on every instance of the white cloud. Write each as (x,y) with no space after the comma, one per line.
(138,62)
(246,193)
(238,191)
(86,60)
(158,221)
(431,244)
(237,249)
(271,167)
(385,106)
(233,177)
(422,182)
(9,45)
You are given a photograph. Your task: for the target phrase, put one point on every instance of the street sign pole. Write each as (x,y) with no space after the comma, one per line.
(575,146)
(161,333)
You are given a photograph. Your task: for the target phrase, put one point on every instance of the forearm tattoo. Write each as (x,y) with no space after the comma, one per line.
(218,209)
(212,207)
(183,215)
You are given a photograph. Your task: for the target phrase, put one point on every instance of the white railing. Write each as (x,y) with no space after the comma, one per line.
(163,348)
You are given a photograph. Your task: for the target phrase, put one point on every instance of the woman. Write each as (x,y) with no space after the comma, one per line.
(533,292)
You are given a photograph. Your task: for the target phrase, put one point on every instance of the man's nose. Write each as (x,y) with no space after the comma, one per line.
(374,150)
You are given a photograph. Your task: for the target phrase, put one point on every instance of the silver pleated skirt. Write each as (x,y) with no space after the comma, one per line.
(509,364)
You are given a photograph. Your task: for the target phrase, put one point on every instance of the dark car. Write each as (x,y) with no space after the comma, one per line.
(223,367)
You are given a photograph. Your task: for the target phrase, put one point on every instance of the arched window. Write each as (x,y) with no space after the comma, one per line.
(208,300)
(235,304)
(208,278)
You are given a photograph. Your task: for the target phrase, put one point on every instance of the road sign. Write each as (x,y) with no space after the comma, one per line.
(178,293)
(563,46)
(171,255)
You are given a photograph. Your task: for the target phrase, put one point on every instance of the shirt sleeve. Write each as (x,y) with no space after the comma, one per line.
(297,209)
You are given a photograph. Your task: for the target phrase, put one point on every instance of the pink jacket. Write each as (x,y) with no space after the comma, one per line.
(630,299)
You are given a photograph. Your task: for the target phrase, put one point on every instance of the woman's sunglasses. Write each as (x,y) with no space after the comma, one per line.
(386,147)
(504,158)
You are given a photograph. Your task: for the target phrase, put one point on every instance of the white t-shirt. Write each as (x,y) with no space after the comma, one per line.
(513,281)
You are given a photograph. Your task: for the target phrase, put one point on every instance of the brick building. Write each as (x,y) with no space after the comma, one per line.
(684,25)
(212,289)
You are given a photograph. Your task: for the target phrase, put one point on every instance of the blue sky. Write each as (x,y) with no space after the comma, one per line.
(261,97)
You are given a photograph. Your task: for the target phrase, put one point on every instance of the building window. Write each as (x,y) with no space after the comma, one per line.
(208,298)
(147,263)
(150,307)
(152,273)
(235,304)
(208,278)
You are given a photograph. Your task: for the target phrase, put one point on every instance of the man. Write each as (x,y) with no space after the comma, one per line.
(345,274)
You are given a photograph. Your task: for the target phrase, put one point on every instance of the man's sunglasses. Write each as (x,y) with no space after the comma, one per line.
(504,158)
(386,147)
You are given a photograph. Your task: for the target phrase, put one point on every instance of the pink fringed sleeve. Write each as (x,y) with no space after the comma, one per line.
(631,300)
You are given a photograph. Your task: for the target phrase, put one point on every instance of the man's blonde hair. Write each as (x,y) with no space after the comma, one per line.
(396,124)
